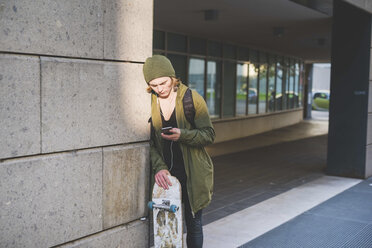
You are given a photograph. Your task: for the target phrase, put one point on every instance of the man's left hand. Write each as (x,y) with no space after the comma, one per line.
(176,133)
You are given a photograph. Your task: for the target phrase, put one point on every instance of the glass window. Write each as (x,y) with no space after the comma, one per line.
(253,56)
(228,89)
(297,69)
(241,88)
(291,98)
(229,51)
(285,84)
(179,64)
(159,40)
(263,58)
(214,49)
(158,52)
(262,89)
(297,65)
(271,91)
(177,42)
(253,88)
(196,75)
(279,85)
(198,46)
(300,85)
(243,53)
(213,98)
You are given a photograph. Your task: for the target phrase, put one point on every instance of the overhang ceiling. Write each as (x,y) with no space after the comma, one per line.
(307,31)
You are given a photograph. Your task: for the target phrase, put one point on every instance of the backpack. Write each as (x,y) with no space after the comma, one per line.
(188,108)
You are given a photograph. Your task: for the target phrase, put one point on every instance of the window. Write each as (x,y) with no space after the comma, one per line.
(279,85)
(243,54)
(285,84)
(229,51)
(196,75)
(291,91)
(213,97)
(297,81)
(234,80)
(159,40)
(179,64)
(301,83)
(271,90)
(262,89)
(177,43)
(252,92)
(241,88)
(198,46)
(214,49)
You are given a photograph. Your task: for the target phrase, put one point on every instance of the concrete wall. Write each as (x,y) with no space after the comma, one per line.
(74,161)
(238,128)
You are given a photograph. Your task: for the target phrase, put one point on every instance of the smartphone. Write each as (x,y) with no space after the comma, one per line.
(165,130)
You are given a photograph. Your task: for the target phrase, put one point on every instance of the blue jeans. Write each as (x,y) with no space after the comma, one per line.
(194,236)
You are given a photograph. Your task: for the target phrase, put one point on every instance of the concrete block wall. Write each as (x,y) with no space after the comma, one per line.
(74,150)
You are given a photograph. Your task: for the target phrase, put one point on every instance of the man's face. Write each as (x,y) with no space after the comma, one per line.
(162,86)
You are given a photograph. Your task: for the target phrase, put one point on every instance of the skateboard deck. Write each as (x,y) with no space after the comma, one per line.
(167,215)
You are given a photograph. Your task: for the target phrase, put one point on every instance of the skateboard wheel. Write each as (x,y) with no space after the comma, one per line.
(173,208)
(150,204)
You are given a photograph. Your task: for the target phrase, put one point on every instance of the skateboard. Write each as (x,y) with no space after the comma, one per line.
(167,215)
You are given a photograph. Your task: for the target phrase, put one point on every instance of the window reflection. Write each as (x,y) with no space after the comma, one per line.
(279,86)
(179,64)
(241,88)
(300,85)
(285,86)
(230,85)
(271,92)
(297,82)
(213,88)
(196,75)
(262,90)
(291,92)
(252,91)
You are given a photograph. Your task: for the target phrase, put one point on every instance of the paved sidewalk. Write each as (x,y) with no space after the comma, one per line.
(292,156)
(277,195)
(344,221)
(243,226)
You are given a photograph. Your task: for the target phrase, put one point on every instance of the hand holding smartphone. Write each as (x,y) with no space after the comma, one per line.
(165,130)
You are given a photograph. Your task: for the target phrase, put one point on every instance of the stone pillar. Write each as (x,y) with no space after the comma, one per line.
(349,143)
(74,153)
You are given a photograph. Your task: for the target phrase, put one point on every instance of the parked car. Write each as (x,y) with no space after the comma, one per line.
(252,95)
(291,100)
(321,100)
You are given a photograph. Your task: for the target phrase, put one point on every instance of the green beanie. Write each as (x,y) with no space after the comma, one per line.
(157,66)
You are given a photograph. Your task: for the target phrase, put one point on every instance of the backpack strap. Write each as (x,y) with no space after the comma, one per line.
(188,107)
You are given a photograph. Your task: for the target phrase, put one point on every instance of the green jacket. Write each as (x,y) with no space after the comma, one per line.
(198,164)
